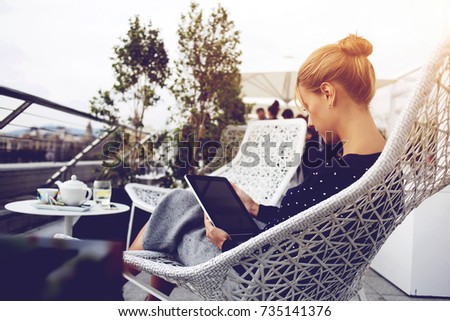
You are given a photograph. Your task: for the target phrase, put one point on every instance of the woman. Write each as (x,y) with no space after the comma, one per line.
(335,85)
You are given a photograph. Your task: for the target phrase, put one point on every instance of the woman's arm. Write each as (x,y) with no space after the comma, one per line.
(262,213)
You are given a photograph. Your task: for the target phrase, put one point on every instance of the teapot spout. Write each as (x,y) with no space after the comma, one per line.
(58,183)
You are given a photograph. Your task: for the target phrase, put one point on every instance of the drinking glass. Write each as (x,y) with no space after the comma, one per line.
(102,193)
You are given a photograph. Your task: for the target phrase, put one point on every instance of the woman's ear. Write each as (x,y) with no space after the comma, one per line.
(329,91)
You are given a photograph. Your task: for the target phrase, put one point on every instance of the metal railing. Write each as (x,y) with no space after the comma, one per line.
(29,100)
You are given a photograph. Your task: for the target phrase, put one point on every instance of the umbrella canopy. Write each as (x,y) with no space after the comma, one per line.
(278,85)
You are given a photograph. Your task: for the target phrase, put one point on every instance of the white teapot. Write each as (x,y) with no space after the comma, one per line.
(74,192)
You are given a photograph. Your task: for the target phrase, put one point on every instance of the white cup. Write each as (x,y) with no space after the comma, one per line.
(45,194)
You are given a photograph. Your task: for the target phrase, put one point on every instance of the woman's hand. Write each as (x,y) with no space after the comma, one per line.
(216,235)
(251,206)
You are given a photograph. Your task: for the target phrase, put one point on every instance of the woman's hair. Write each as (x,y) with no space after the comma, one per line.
(346,63)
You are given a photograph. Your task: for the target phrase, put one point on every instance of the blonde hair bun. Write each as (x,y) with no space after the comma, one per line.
(356,46)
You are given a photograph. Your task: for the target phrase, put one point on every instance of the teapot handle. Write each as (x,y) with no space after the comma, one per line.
(88,197)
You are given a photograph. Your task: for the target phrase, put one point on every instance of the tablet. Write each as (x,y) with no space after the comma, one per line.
(223,206)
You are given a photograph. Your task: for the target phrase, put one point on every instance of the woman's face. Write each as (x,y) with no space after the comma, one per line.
(320,115)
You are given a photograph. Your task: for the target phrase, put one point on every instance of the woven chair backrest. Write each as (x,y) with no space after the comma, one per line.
(267,158)
(231,139)
(322,253)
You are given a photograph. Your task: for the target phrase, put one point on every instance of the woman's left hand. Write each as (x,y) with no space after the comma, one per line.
(216,235)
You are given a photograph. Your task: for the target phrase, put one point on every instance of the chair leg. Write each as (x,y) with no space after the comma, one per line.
(362,295)
(130,225)
(156,293)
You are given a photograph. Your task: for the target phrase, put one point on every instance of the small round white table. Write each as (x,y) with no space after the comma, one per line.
(27,207)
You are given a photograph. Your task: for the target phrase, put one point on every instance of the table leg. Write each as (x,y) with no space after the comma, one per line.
(68,225)
(130,226)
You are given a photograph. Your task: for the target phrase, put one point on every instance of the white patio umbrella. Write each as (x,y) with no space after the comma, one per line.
(278,85)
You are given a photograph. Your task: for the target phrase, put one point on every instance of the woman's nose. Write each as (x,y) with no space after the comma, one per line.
(310,123)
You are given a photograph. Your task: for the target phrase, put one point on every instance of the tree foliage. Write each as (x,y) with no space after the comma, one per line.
(207,81)
(140,65)
(206,85)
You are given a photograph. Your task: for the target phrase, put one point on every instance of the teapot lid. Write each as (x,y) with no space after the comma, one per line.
(73,182)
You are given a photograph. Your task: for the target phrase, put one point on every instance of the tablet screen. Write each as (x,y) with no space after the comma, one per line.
(222,204)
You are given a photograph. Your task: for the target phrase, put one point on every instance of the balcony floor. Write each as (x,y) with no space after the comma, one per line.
(376,287)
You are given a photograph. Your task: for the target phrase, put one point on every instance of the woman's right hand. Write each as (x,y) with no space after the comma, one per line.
(251,206)
(216,235)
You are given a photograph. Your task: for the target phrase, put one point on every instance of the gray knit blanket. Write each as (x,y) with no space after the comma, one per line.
(176,229)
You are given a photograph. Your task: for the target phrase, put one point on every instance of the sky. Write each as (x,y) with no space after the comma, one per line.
(60,50)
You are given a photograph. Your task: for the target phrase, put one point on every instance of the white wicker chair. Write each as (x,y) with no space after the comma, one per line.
(266,181)
(338,238)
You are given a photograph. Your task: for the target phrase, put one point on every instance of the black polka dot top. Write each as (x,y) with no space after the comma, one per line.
(323,182)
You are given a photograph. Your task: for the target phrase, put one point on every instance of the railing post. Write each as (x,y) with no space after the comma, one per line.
(64,171)
(14,114)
